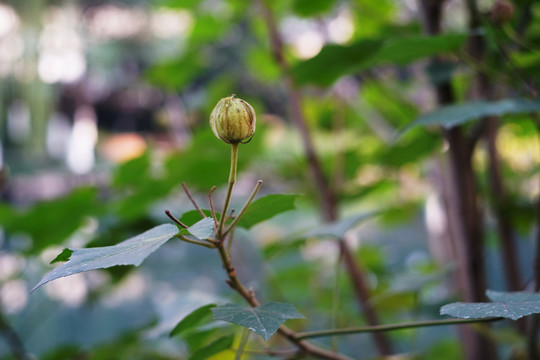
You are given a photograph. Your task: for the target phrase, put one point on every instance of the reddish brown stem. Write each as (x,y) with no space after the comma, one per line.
(327,197)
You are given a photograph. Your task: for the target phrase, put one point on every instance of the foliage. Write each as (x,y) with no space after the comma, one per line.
(399,160)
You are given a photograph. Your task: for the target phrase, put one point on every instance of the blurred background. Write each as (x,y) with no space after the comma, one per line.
(104,111)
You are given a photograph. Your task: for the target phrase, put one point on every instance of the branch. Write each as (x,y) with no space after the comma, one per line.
(249,296)
(390,327)
(12,339)
(326,195)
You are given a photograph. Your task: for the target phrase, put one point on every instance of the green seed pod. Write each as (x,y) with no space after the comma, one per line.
(233,120)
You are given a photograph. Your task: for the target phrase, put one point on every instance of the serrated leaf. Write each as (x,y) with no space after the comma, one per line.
(129,252)
(509,305)
(215,347)
(192,319)
(202,229)
(267,207)
(264,320)
(450,116)
(338,229)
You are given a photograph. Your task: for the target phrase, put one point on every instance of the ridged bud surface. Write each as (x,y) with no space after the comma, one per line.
(233,120)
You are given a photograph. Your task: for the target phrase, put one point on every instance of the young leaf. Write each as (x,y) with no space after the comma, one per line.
(63,256)
(221,344)
(129,252)
(509,305)
(267,207)
(202,229)
(450,116)
(339,228)
(264,320)
(192,319)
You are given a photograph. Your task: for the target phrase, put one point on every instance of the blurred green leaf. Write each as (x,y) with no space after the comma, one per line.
(51,222)
(450,116)
(213,348)
(339,228)
(335,61)
(509,305)
(263,320)
(132,172)
(174,74)
(267,207)
(308,8)
(178,4)
(192,319)
(129,252)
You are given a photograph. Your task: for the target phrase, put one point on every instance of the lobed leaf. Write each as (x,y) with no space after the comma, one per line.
(264,320)
(129,252)
(509,305)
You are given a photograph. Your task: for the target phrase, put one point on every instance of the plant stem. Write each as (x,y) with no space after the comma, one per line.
(242,345)
(250,298)
(390,327)
(327,197)
(244,208)
(232,180)
(196,242)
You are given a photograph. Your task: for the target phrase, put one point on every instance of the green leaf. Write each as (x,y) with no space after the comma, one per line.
(52,221)
(192,319)
(193,216)
(202,229)
(174,74)
(267,207)
(450,116)
(264,320)
(311,7)
(334,61)
(338,229)
(129,252)
(509,305)
(63,256)
(221,344)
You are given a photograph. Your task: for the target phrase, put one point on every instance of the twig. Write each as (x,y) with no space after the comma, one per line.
(193,201)
(231,215)
(250,298)
(242,345)
(327,197)
(211,202)
(244,208)
(390,327)
(173,218)
(210,244)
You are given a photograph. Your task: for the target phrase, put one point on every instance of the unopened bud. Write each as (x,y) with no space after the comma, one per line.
(233,120)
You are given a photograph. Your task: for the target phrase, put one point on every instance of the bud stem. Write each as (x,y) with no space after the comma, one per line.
(232,180)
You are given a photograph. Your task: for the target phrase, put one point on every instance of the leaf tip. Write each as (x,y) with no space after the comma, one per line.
(65,255)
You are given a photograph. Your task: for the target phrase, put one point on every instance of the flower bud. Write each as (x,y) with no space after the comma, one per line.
(233,120)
